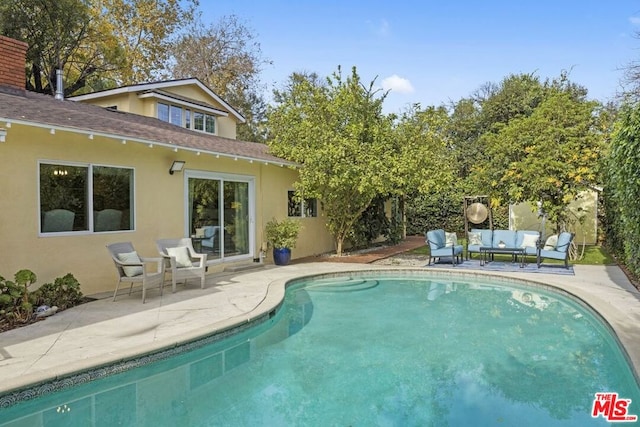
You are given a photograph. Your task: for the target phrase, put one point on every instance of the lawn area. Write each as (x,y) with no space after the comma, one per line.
(593,255)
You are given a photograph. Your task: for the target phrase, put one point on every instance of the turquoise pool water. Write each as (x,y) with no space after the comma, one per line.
(368,351)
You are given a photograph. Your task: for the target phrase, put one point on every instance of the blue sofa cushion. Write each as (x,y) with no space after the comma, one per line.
(446,251)
(508,237)
(563,242)
(552,254)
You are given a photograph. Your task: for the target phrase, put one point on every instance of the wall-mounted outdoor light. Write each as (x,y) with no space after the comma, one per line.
(176,166)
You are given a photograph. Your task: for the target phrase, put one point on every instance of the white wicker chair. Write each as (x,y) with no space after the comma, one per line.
(134,271)
(198,262)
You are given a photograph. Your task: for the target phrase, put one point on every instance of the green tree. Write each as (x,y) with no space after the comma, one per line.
(464,131)
(97,44)
(550,153)
(341,138)
(145,31)
(60,35)
(517,95)
(227,57)
(421,159)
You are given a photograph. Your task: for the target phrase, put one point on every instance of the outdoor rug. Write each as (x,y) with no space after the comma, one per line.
(505,266)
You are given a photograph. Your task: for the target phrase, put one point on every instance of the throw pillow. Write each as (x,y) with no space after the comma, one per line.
(529,241)
(451,239)
(475,239)
(551,243)
(130,257)
(181,254)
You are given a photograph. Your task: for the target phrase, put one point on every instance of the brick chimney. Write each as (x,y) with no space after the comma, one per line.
(12,63)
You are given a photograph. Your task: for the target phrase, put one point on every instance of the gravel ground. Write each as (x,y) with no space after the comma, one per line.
(404,260)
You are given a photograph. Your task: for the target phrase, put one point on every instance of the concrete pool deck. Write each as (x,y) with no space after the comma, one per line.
(104,332)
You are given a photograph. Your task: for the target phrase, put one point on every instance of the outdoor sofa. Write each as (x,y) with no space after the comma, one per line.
(525,239)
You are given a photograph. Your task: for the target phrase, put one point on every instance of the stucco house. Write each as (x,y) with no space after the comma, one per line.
(137,163)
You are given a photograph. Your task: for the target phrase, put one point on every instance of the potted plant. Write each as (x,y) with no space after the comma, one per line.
(282,236)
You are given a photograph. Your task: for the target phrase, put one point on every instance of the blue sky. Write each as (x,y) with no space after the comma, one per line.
(435,52)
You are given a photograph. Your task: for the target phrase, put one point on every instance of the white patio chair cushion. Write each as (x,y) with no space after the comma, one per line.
(551,243)
(475,238)
(529,241)
(130,257)
(181,254)
(451,239)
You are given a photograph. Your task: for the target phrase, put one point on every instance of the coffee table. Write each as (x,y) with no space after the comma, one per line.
(486,251)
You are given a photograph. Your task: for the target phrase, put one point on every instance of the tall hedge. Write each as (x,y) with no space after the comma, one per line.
(623,187)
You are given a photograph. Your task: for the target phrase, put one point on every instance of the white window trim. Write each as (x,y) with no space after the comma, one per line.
(89,167)
(302,207)
(205,116)
(252,209)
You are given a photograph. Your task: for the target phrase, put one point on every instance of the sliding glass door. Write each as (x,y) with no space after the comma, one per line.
(220,210)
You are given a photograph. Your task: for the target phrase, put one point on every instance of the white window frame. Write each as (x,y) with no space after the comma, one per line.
(170,108)
(206,118)
(303,207)
(90,197)
(251,181)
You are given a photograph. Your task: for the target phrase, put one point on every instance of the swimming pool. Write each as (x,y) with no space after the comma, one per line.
(370,350)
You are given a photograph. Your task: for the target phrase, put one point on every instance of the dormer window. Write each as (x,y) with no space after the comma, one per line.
(174,114)
(170,113)
(204,122)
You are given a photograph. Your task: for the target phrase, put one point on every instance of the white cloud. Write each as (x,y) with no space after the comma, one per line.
(395,83)
(635,20)
(383,29)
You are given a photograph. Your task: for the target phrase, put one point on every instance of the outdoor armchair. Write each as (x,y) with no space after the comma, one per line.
(559,250)
(131,268)
(440,247)
(182,261)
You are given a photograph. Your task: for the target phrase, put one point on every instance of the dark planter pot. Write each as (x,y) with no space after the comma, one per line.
(281,256)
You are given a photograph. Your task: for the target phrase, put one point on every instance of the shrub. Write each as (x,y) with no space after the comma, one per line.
(16,304)
(282,234)
(64,293)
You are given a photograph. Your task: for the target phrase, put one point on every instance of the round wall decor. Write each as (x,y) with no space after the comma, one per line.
(477,213)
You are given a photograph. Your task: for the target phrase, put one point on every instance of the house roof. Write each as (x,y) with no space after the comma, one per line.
(182,100)
(34,109)
(146,87)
